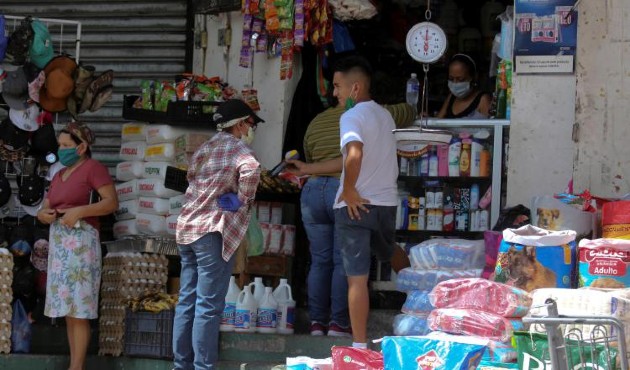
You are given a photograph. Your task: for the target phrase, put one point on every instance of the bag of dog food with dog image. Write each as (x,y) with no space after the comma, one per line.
(481,294)
(448,254)
(604,263)
(532,258)
(423,353)
(552,214)
(533,353)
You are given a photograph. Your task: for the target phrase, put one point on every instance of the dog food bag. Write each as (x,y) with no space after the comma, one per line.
(550,213)
(350,358)
(533,258)
(481,294)
(127,210)
(458,353)
(133,131)
(410,325)
(155,170)
(164,152)
(126,171)
(307,363)
(127,190)
(473,322)
(124,228)
(154,206)
(155,188)
(496,351)
(604,263)
(583,302)
(133,150)
(533,353)
(448,254)
(151,224)
(417,303)
(616,220)
(171,224)
(409,279)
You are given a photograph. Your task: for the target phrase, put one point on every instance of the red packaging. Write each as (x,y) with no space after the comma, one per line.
(350,358)
(616,220)
(473,322)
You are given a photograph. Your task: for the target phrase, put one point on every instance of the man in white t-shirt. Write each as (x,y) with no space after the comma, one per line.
(365,211)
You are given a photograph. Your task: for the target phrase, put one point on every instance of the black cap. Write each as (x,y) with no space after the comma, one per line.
(233,109)
(31,189)
(5,190)
(44,141)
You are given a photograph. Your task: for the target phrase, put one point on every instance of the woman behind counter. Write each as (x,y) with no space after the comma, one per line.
(74,264)
(465,99)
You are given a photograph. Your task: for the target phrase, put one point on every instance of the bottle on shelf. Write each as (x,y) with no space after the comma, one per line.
(484,163)
(266,319)
(413,91)
(404,166)
(442,154)
(259,289)
(433,162)
(246,309)
(474,197)
(464,160)
(424,165)
(229,312)
(454,154)
(475,158)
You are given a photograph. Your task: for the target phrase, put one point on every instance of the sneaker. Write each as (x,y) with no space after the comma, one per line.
(317,329)
(337,331)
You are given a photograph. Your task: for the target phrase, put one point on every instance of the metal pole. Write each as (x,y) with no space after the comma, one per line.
(557,347)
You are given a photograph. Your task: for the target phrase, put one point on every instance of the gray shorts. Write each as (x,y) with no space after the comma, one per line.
(374,234)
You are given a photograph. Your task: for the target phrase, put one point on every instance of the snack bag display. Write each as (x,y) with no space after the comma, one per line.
(404,353)
(481,294)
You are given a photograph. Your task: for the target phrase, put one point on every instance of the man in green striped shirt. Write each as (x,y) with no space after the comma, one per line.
(327,282)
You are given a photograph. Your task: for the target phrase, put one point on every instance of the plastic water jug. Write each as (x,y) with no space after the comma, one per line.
(246,310)
(259,289)
(229,312)
(286,307)
(266,321)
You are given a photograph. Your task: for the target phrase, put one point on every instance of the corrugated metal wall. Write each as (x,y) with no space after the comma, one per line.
(137,39)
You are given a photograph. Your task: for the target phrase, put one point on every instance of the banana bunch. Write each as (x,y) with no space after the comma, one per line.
(153,302)
(275,184)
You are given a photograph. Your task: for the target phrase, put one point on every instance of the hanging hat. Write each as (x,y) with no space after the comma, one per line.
(19,43)
(39,256)
(5,190)
(13,141)
(41,51)
(31,189)
(25,119)
(84,75)
(98,93)
(36,78)
(15,89)
(3,38)
(44,142)
(59,84)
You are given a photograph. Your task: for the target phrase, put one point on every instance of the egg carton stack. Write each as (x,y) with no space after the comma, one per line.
(6,296)
(126,275)
(147,207)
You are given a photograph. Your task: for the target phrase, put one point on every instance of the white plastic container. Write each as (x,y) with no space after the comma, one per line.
(246,310)
(127,190)
(151,224)
(259,289)
(133,132)
(155,134)
(475,158)
(133,150)
(160,152)
(129,170)
(155,170)
(286,307)
(154,206)
(229,312)
(124,228)
(171,224)
(266,319)
(154,188)
(175,204)
(127,210)
(454,152)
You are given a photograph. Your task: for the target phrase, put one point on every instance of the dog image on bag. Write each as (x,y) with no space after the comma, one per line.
(526,272)
(607,283)
(548,218)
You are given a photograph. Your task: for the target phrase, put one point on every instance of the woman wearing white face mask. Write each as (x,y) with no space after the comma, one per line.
(465,100)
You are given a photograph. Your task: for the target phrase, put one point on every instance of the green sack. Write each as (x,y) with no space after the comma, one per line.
(254,236)
(533,353)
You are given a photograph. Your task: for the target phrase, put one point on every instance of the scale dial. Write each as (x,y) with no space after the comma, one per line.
(426,42)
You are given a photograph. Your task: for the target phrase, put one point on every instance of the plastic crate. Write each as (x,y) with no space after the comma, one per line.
(175,179)
(179,113)
(149,334)
(144,115)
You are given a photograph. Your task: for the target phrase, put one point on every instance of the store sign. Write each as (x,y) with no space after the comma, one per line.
(545,36)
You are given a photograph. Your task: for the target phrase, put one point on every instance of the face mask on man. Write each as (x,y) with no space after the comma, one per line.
(459,89)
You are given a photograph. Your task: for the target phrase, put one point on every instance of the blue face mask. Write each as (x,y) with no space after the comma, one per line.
(68,156)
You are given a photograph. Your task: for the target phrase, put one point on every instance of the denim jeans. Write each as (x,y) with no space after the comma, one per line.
(327,284)
(204,282)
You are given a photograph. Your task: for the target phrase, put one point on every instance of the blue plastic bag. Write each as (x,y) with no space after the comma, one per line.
(21,329)
(403,353)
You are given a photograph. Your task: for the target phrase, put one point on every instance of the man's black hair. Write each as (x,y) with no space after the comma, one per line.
(354,63)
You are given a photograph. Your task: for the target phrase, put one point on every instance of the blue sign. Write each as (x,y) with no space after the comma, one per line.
(545,36)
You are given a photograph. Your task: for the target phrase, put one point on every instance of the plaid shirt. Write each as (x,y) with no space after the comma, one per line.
(223,164)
